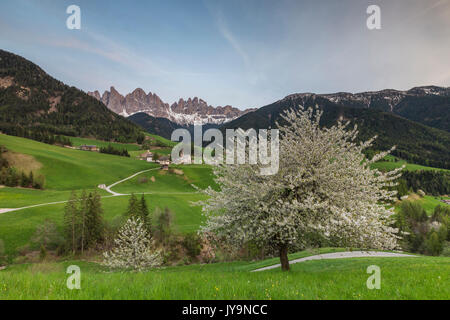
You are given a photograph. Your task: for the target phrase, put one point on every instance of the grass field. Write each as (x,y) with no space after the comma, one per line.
(66,170)
(401,278)
(389,163)
(427,202)
(17,228)
(76,142)
(162,141)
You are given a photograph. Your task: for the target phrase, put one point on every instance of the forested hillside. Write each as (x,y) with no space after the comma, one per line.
(415,142)
(35,105)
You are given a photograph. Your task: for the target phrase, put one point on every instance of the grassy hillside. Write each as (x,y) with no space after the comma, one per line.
(390,163)
(76,142)
(158,140)
(18,227)
(426,202)
(179,179)
(67,169)
(401,278)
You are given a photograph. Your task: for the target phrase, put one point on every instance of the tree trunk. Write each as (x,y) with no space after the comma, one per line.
(284,257)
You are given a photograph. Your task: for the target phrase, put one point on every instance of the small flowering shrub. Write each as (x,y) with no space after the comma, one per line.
(133,248)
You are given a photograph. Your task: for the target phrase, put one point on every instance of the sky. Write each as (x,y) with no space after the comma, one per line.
(245,53)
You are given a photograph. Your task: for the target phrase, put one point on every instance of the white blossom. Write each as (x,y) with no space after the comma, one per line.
(133,248)
(324,185)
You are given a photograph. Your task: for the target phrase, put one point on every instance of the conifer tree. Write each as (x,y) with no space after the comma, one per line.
(71,222)
(94,219)
(83,208)
(144,213)
(133,209)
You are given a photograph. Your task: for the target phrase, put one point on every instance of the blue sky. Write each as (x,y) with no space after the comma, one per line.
(246,53)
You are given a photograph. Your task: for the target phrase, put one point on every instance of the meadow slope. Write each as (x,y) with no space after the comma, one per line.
(401,278)
(68,169)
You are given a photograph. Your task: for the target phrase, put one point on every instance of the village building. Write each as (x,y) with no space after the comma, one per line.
(147,156)
(89,148)
(164,161)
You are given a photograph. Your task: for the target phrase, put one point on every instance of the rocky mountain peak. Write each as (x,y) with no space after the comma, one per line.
(183,112)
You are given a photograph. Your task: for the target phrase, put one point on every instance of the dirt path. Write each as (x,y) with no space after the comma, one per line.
(342,255)
(108,188)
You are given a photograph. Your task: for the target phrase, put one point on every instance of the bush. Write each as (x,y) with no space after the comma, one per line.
(163,227)
(42,253)
(193,244)
(47,236)
(446,249)
(433,244)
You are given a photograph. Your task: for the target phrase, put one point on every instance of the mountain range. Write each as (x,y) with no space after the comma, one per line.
(429,105)
(36,106)
(415,142)
(183,112)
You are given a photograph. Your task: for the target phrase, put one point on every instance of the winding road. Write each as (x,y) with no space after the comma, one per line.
(342,255)
(115,194)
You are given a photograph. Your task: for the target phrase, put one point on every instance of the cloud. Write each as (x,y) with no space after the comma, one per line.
(229,36)
(106,48)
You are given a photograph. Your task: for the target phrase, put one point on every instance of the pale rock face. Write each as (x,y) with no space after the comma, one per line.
(182,112)
(96,95)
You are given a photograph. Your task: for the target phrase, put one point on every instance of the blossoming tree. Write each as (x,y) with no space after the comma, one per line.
(324,185)
(133,248)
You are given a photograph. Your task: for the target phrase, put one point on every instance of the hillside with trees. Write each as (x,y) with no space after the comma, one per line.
(34,105)
(415,142)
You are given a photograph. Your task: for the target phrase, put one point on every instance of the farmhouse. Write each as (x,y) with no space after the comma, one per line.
(89,148)
(147,156)
(164,161)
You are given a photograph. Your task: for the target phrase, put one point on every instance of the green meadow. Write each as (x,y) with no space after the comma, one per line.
(401,278)
(390,163)
(18,227)
(76,142)
(68,169)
